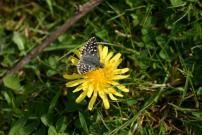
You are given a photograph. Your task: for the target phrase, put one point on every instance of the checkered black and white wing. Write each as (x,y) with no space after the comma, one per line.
(83,67)
(91,48)
(90,58)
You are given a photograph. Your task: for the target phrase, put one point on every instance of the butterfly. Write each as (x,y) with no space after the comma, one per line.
(90,57)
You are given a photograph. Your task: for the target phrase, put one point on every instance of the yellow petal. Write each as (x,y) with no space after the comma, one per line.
(77,52)
(118,94)
(119,77)
(123,88)
(121,71)
(74,83)
(115,58)
(107,58)
(112,97)
(113,83)
(92,100)
(113,91)
(72,77)
(118,62)
(78,88)
(104,99)
(90,91)
(85,85)
(119,86)
(104,52)
(74,60)
(81,97)
(100,48)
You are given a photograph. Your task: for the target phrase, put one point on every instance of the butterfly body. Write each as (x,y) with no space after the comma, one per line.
(90,58)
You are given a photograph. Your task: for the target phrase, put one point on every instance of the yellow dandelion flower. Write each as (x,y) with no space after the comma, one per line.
(102,82)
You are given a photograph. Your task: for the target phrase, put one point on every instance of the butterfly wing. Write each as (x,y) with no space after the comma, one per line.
(84,67)
(90,58)
(90,49)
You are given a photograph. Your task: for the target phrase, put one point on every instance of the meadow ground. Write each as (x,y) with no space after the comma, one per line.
(160,42)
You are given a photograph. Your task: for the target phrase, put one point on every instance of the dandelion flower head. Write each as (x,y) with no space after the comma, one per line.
(102,82)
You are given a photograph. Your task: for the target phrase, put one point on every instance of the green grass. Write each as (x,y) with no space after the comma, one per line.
(160,41)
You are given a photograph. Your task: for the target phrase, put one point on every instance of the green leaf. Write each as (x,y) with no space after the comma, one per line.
(13,82)
(19,40)
(52,61)
(195,125)
(83,123)
(61,124)
(52,131)
(51,72)
(130,2)
(2,72)
(199,91)
(63,134)
(131,102)
(50,5)
(12,103)
(2,133)
(163,54)
(45,119)
(53,102)
(176,2)
(17,128)
(103,34)
(41,130)
(29,127)
(135,19)
(8,98)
